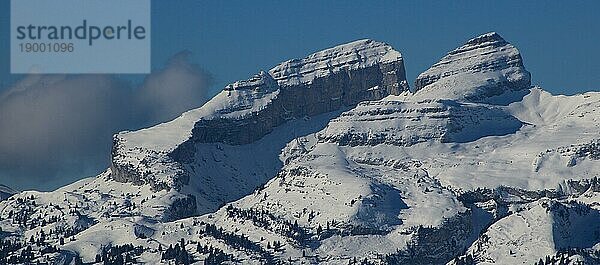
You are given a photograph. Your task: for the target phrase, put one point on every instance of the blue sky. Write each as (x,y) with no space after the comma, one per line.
(234,39)
(231,40)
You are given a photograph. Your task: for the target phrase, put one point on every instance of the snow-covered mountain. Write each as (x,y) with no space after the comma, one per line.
(485,69)
(223,150)
(331,159)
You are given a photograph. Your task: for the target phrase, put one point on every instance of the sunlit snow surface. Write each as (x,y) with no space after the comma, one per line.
(385,180)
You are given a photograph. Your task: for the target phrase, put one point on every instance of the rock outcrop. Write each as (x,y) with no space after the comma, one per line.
(406,123)
(323,82)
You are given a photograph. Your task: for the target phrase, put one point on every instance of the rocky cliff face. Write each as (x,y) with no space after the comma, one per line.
(481,70)
(403,123)
(322,82)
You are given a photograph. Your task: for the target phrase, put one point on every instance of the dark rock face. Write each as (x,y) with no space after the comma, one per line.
(323,82)
(142,231)
(437,245)
(181,208)
(123,172)
(323,95)
(394,76)
(484,67)
(128,172)
(6,192)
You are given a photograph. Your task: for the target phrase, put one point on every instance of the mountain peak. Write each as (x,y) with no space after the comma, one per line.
(487,37)
(350,56)
(490,39)
(480,70)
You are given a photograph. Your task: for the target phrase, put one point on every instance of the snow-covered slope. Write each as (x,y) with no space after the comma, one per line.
(536,228)
(403,123)
(331,159)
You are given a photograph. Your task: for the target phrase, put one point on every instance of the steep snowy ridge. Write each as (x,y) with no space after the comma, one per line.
(331,159)
(542,108)
(407,123)
(347,57)
(481,70)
